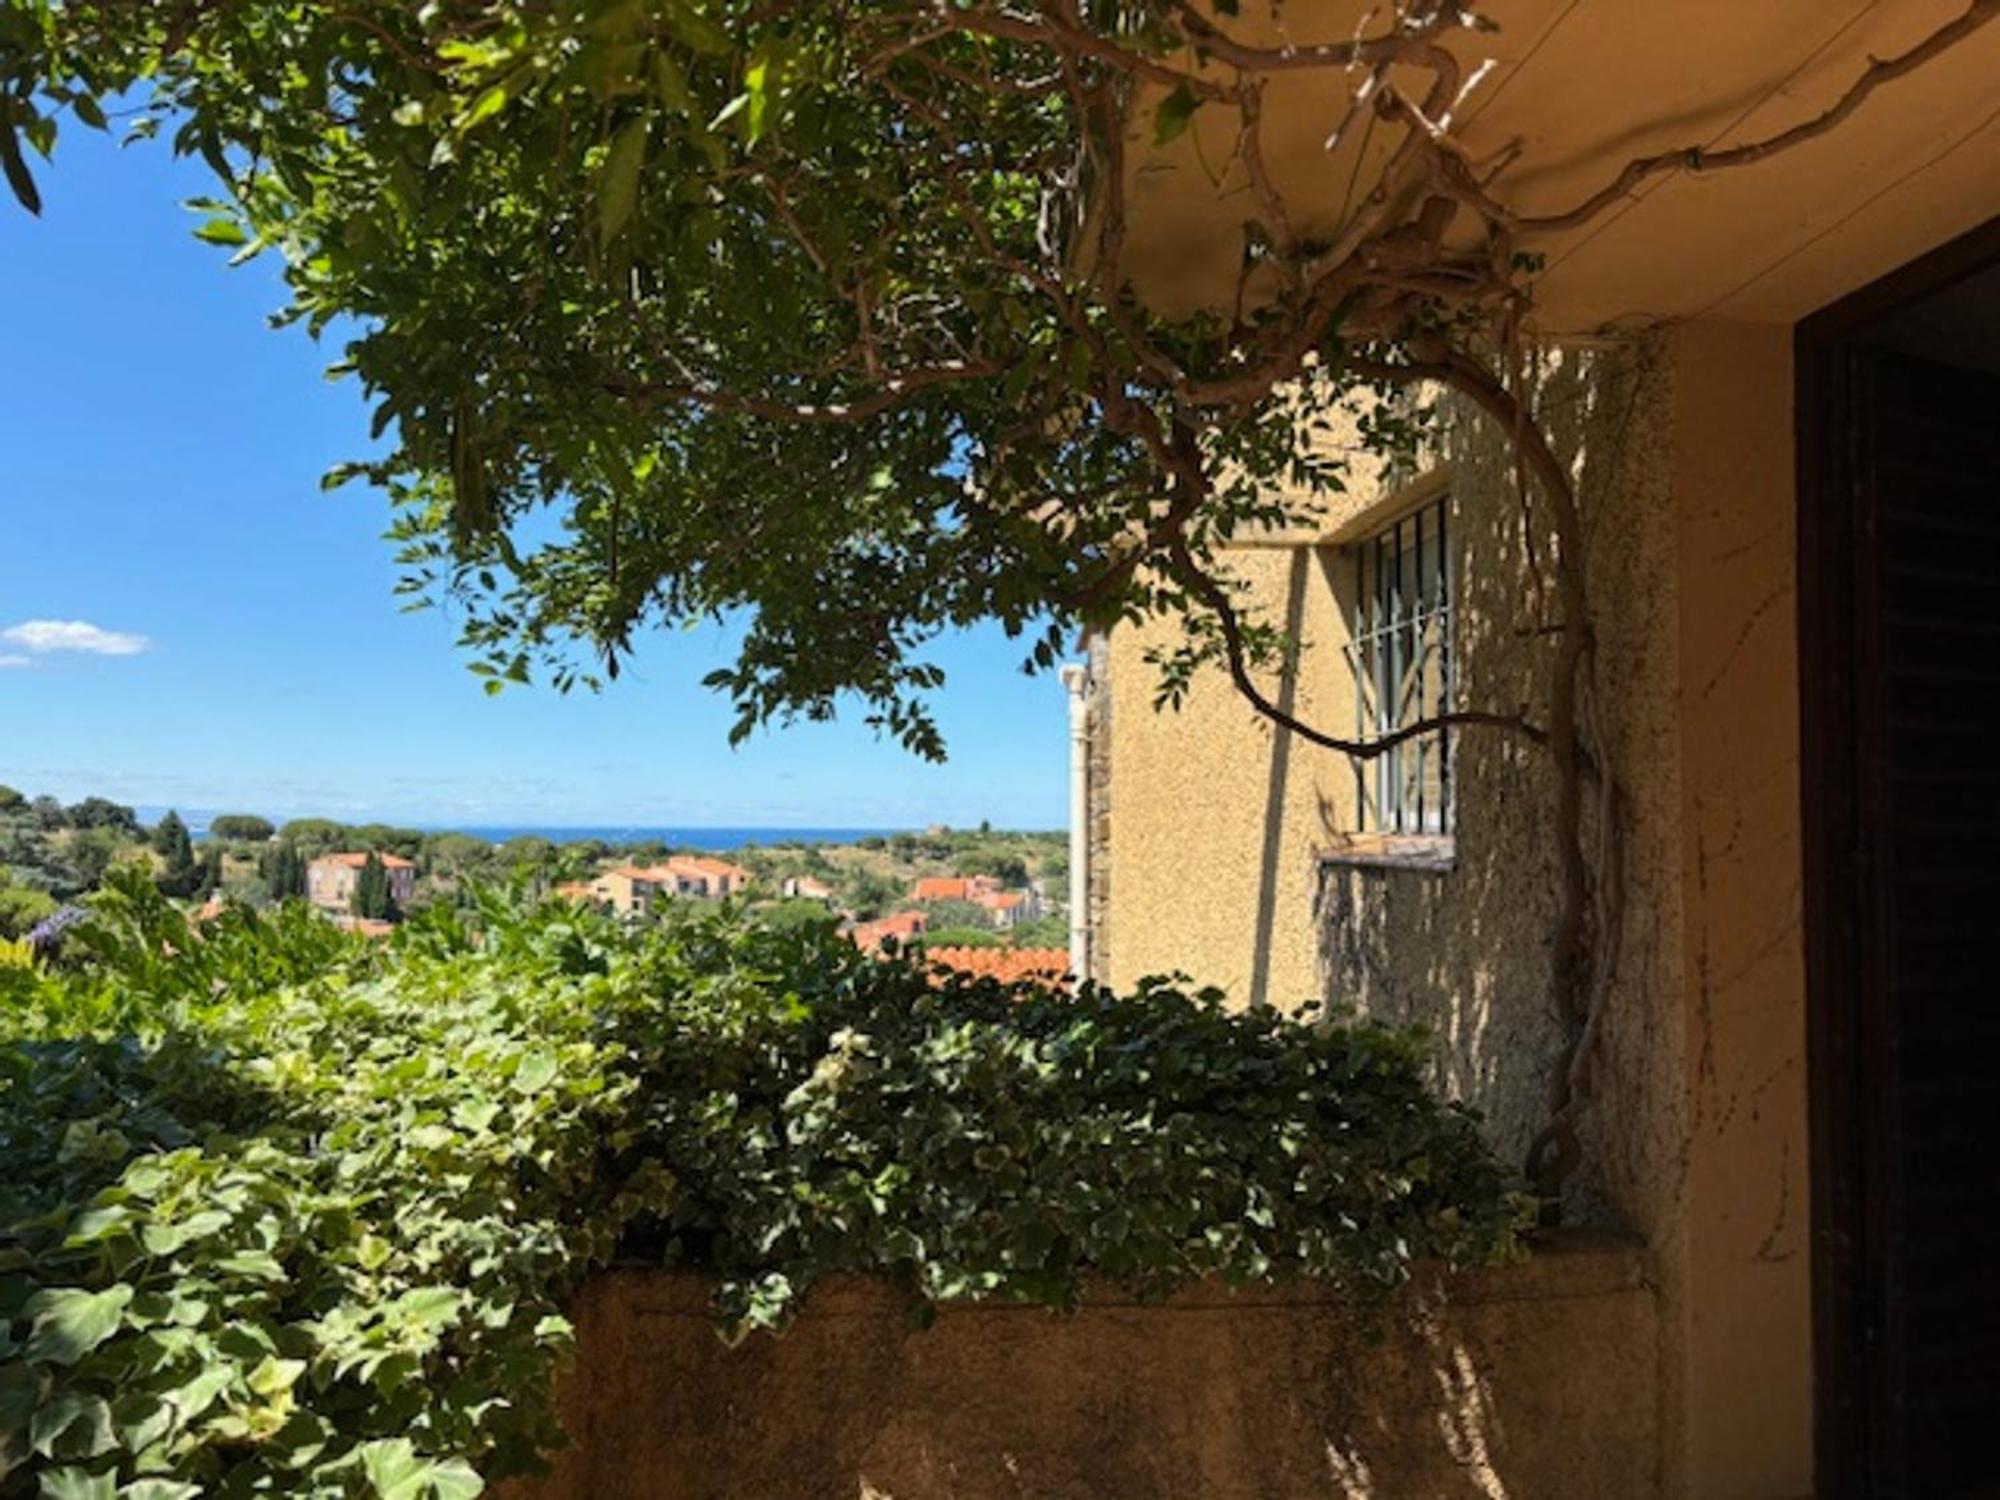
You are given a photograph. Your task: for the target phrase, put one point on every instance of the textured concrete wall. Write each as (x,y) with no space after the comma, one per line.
(1532,1382)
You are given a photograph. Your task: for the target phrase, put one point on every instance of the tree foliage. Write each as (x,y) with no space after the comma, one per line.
(101,813)
(283,870)
(21,907)
(181,874)
(293,1213)
(244,827)
(798,310)
(373,898)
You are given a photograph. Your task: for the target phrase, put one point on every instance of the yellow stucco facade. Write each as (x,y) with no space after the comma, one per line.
(1226,849)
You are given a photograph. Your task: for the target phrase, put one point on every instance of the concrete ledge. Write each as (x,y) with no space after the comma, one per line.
(1526,1381)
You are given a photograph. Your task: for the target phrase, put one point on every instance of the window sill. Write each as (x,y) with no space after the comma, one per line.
(1435,854)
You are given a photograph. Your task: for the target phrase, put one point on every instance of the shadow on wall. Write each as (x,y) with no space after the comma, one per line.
(1526,1382)
(1464,952)
(1272,847)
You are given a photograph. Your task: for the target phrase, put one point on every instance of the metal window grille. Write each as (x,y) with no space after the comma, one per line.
(1401,656)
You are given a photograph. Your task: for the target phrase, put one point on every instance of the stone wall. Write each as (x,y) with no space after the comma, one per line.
(1529,1382)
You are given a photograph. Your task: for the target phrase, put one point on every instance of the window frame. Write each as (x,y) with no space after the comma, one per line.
(1404,666)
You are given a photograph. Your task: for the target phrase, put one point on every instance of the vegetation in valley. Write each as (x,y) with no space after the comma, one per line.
(51,853)
(294,1212)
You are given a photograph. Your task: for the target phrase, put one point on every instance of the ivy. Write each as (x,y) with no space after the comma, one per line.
(292,1213)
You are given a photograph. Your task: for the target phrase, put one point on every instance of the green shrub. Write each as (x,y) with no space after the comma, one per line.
(963,937)
(290,1212)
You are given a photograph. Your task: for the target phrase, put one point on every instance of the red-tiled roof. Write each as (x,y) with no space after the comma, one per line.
(903,926)
(355,861)
(1000,900)
(696,864)
(1009,965)
(941,888)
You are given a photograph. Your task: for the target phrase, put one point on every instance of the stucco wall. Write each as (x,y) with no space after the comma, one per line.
(1680,442)
(1213,850)
(1214,816)
(1738,1205)
(1531,1382)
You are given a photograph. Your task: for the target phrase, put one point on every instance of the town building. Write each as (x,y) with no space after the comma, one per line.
(901,928)
(331,879)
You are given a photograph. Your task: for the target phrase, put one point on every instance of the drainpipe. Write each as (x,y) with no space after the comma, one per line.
(1076,678)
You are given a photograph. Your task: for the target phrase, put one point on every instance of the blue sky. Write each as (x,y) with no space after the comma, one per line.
(185,619)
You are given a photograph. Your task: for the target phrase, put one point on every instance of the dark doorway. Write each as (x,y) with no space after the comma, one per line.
(1899,594)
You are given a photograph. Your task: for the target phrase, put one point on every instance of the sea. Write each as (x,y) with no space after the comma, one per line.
(687,836)
(716,840)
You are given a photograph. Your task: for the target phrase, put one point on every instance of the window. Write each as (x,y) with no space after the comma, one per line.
(1401,654)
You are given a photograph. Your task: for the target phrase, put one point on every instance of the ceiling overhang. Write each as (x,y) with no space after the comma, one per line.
(1575,91)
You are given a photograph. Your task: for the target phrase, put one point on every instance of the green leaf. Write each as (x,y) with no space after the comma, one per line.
(76,1421)
(159,1489)
(77,1484)
(758,86)
(618,186)
(670,83)
(537,1072)
(19,178)
(222,231)
(165,1237)
(686,21)
(392,1468)
(97,1224)
(1173,114)
(490,100)
(258,1265)
(274,1376)
(430,1306)
(69,1322)
(456,1480)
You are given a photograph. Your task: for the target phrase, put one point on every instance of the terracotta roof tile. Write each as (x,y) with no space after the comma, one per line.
(701,865)
(903,926)
(1008,965)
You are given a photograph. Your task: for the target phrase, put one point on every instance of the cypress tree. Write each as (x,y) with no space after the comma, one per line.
(181,874)
(284,871)
(371,890)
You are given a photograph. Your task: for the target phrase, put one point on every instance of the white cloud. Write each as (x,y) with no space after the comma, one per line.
(73,635)
(13,661)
